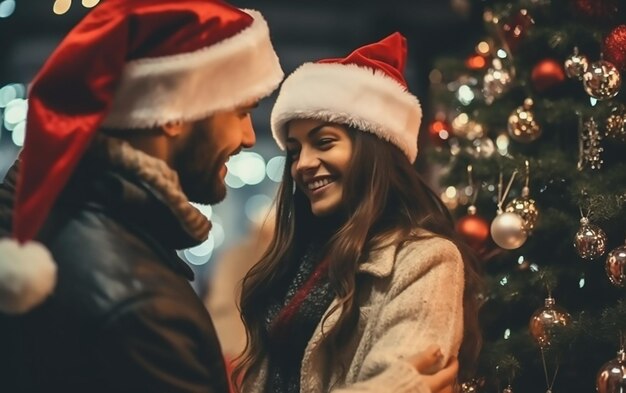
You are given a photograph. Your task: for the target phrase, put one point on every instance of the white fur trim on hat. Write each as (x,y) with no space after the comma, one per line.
(192,86)
(352,95)
(27,275)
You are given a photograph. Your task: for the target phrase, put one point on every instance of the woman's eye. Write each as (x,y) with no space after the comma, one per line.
(324,141)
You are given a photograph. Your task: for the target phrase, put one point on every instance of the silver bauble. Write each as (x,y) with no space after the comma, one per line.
(522,125)
(615,266)
(611,377)
(526,208)
(576,65)
(507,231)
(602,80)
(545,319)
(590,240)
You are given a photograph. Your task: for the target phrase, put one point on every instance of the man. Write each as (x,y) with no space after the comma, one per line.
(134,114)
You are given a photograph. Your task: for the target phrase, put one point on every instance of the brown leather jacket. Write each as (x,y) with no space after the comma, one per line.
(123,317)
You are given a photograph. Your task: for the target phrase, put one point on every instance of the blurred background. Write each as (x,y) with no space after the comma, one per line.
(301,31)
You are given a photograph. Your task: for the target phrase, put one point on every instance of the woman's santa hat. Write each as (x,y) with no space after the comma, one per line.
(127,64)
(365,90)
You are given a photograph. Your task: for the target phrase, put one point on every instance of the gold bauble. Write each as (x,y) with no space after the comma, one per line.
(526,208)
(522,125)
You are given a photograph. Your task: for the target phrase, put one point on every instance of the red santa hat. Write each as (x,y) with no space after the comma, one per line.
(127,64)
(365,90)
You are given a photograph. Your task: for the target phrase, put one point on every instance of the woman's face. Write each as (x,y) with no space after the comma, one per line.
(320,154)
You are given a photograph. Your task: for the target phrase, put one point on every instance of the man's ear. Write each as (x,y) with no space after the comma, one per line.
(173,128)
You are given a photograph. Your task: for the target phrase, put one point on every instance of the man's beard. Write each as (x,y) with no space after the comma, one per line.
(203,187)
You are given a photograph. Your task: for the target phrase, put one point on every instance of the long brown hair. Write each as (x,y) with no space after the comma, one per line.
(383,196)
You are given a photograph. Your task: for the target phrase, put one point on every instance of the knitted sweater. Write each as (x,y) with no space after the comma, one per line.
(411,298)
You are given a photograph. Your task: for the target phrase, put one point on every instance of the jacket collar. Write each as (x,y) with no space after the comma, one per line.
(143,193)
(380,261)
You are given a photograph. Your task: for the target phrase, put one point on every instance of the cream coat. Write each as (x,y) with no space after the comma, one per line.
(409,301)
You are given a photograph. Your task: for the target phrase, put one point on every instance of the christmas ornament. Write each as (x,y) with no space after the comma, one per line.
(547,74)
(611,377)
(481,148)
(515,28)
(473,228)
(602,80)
(589,147)
(545,319)
(524,206)
(472,386)
(465,128)
(616,266)
(600,10)
(616,123)
(522,126)
(576,65)
(496,81)
(590,240)
(615,47)
(507,229)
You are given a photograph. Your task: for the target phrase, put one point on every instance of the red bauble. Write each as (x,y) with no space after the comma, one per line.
(598,10)
(615,47)
(439,132)
(547,74)
(515,28)
(474,229)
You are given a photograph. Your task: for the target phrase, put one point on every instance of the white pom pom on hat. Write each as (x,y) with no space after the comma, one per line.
(27,275)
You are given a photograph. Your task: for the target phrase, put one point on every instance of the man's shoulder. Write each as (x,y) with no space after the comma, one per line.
(102,265)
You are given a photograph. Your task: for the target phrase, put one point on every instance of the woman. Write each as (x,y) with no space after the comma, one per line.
(362,271)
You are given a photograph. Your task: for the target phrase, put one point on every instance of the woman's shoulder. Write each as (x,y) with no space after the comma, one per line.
(425,249)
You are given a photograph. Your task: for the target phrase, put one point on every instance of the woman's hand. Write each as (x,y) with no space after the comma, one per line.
(439,380)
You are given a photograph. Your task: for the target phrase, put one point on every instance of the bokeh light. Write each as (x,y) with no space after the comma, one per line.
(200,254)
(217,230)
(90,3)
(247,166)
(19,133)
(275,168)
(233,181)
(60,7)
(7,7)
(7,94)
(256,206)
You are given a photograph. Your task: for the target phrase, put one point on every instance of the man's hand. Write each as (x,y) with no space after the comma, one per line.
(439,380)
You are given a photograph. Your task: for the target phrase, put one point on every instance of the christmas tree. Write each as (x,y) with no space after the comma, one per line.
(529,126)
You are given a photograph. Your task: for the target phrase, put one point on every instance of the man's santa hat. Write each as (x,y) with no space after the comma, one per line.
(365,90)
(128,64)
